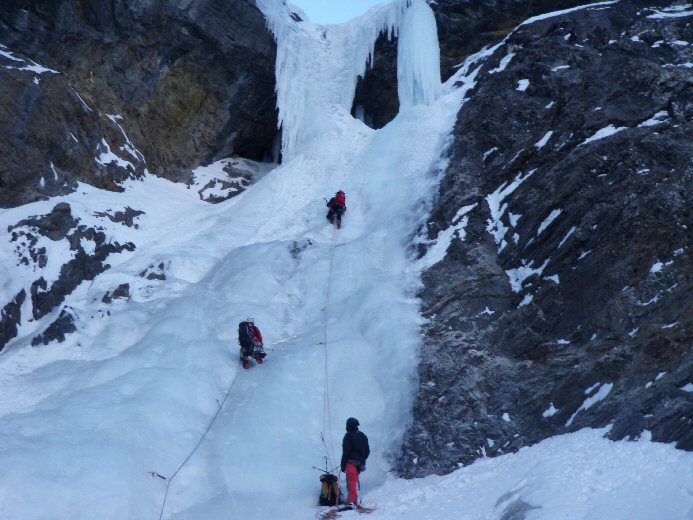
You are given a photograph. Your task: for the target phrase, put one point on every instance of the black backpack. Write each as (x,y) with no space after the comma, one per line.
(244,337)
(329,493)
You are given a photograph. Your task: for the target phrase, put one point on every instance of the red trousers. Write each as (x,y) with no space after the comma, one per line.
(352,477)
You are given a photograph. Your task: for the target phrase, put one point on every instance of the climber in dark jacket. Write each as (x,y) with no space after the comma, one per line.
(337,205)
(355,451)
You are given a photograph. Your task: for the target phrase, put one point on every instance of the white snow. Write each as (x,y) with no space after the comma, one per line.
(136,389)
(88,424)
(213,181)
(107,157)
(29,65)
(548,220)
(84,104)
(128,147)
(489,152)
(504,62)
(550,411)
(526,300)
(599,395)
(580,476)
(522,85)
(567,236)
(675,11)
(687,387)
(518,275)
(554,14)
(603,133)
(590,389)
(560,67)
(438,249)
(656,119)
(498,207)
(542,142)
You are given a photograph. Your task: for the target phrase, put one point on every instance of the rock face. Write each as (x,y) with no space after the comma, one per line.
(58,225)
(564,298)
(163,85)
(375,100)
(463,29)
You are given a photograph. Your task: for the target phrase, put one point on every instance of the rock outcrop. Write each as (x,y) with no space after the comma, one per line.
(463,29)
(99,91)
(89,249)
(564,298)
(103,91)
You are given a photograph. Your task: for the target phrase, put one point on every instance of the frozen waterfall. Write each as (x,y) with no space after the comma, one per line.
(418,56)
(317,66)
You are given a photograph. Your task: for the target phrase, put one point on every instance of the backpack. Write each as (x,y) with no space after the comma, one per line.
(340,198)
(244,336)
(329,493)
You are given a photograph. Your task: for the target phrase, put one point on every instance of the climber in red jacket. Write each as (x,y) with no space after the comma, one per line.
(250,340)
(337,205)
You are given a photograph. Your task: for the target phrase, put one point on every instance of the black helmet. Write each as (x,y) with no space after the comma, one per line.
(351,424)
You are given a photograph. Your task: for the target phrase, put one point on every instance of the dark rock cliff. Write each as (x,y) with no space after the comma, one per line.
(102,91)
(564,298)
(463,28)
(133,84)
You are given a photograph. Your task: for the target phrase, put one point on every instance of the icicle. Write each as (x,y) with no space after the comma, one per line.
(318,66)
(418,56)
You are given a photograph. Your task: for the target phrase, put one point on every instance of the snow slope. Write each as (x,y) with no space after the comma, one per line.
(86,423)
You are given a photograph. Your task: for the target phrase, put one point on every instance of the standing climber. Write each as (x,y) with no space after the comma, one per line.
(250,340)
(337,205)
(355,451)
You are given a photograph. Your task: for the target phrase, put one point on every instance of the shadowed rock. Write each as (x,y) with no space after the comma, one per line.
(564,304)
(164,86)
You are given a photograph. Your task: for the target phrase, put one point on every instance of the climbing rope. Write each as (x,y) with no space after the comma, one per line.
(192,452)
(326,421)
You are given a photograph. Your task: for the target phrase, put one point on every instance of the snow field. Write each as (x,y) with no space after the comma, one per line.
(83,422)
(579,476)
